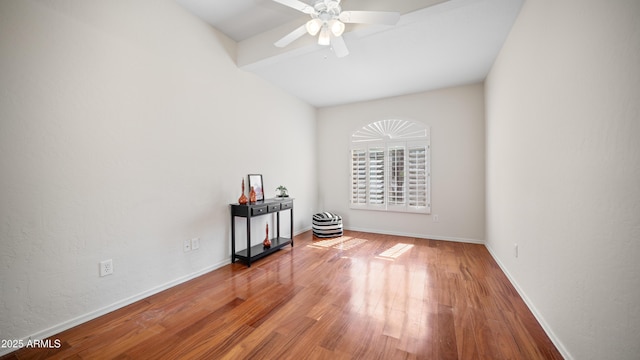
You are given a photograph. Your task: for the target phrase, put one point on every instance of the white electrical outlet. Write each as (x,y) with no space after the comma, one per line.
(195,243)
(436,218)
(186,245)
(106,267)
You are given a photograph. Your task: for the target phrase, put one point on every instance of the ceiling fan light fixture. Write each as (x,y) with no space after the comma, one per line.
(325,36)
(313,26)
(337,27)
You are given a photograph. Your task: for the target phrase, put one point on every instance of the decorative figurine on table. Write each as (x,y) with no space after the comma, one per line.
(243,198)
(267,242)
(252,195)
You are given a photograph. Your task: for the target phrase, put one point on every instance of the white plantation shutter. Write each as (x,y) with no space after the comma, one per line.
(396,182)
(390,167)
(376,176)
(418,176)
(358,177)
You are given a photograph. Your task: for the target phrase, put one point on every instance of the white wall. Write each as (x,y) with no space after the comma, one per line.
(456,119)
(125,129)
(563,170)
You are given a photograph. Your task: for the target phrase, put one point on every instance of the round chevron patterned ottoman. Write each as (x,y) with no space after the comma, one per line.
(326,224)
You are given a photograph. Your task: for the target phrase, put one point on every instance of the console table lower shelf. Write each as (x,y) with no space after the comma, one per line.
(259,251)
(260,208)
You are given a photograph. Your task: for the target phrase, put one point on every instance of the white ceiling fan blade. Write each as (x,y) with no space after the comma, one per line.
(290,37)
(370,17)
(298,5)
(339,46)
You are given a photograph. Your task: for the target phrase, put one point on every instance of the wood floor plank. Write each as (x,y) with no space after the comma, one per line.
(359,296)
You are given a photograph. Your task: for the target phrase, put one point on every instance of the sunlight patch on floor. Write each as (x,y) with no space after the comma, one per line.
(395,251)
(330,242)
(340,243)
(350,244)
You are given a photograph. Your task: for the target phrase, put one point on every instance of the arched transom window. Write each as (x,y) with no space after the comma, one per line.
(390,167)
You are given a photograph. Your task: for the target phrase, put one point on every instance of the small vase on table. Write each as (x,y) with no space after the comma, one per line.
(243,198)
(267,242)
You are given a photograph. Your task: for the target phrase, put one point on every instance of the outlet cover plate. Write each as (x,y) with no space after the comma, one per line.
(106,267)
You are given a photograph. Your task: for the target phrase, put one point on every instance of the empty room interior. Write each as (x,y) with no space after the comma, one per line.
(129,129)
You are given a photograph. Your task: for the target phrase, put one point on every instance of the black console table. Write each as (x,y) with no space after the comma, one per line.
(250,210)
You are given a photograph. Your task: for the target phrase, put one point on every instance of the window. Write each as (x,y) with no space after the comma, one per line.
(390,167)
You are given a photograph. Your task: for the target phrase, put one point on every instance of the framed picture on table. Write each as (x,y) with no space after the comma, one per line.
(255,182)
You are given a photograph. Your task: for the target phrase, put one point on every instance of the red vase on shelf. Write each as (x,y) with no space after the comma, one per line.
(267,242)
(243,198)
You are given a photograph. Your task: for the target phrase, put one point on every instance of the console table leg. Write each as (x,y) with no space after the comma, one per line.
(233,239)
(248,241)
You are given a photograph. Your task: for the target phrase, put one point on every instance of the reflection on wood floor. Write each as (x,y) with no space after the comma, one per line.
(360,296)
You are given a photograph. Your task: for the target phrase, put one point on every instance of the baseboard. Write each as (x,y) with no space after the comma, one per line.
(420,236)
(298,232)
(547,329)
(56,329)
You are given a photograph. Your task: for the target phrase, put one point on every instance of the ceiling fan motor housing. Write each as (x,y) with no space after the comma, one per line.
(327,9)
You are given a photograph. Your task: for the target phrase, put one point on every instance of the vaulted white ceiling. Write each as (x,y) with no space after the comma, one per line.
(436,44)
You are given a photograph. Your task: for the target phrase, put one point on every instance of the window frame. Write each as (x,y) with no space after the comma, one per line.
(390,143)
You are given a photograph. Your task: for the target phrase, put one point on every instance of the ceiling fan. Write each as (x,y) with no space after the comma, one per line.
(328,19)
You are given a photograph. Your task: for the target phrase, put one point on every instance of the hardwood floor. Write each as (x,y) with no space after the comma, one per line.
(361,296)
